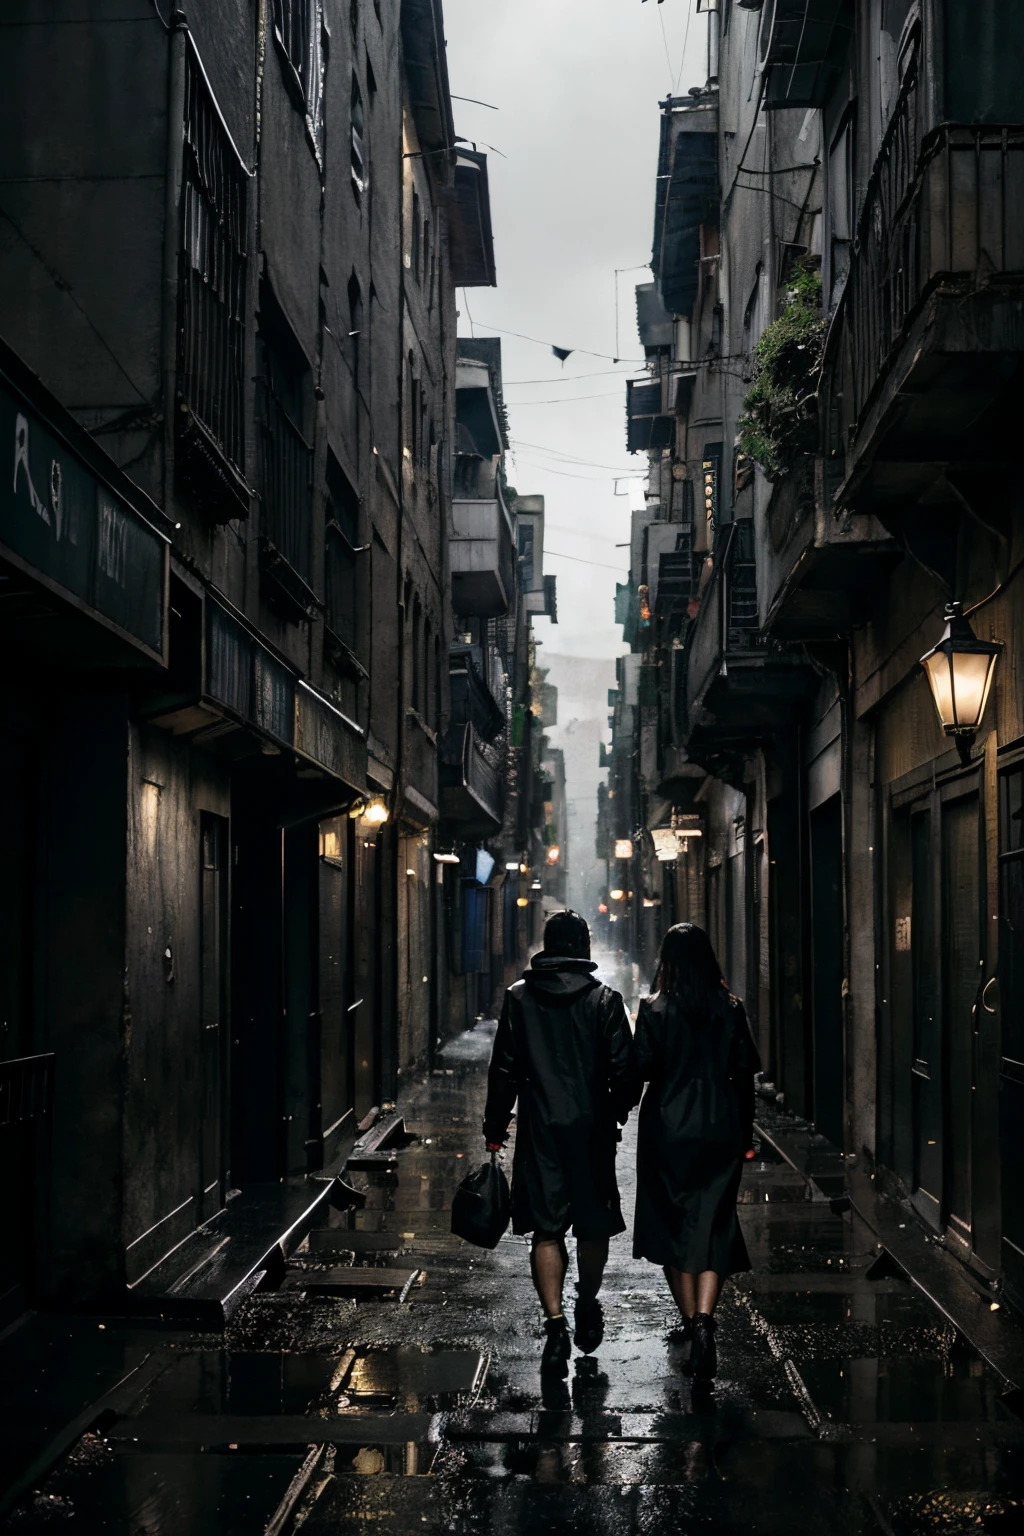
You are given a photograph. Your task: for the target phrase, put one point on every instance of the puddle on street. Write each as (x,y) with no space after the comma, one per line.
(956,1388)
(240,1382)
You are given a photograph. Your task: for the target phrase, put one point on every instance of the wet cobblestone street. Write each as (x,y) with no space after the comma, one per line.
(845,1403)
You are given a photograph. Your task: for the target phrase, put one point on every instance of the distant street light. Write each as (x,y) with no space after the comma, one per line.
(960,671)
(617,895)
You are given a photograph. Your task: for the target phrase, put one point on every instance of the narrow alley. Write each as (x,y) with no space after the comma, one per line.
(512,591)
(389,1374)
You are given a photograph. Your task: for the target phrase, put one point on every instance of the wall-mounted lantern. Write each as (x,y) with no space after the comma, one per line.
(960,671)
(623,848)
(617,895)
(554,853)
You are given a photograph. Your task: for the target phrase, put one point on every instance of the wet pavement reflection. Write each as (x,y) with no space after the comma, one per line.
(846,1403)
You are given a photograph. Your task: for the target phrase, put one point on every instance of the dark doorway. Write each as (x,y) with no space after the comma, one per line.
(213,1016)
(365,968)
(25,1079)
(301,923)
(961,956)
(257,1076)
(926,1066)
(336,997)
(827,966)
(1011,1000)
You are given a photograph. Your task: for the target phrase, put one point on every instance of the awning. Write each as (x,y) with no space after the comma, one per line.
(803,44)
(687,191)
(469,223)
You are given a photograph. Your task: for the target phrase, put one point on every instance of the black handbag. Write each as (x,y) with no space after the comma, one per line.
(482,1206)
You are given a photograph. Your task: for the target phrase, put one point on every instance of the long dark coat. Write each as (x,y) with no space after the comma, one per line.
(696,1123)
(565,1050)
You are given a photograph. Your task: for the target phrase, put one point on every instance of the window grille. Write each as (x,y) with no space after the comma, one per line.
(213,280)
(287,458)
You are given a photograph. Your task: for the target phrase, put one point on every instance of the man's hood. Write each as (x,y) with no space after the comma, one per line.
(560,978)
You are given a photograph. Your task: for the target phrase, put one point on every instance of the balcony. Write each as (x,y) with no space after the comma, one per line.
(921,364)
(803,45)
(737,689)
(814,567)
(477,682)
(472,788)
(482,558)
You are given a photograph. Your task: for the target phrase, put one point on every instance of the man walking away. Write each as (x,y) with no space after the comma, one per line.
(563,1049)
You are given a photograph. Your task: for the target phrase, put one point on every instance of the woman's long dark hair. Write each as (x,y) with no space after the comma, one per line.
(689,973)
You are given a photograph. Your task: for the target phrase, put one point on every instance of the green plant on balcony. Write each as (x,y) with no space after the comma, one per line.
(779,424)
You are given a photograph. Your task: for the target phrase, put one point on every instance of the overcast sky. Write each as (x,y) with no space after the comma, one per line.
(577,85)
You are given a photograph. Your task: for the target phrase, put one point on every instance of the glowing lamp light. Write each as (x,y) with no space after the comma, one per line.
(375,812)
(602,906)
(554,853)
(524,869)
(514,865)
(623,848)
(617,895)
(960,671)
(447,857)
(522,901)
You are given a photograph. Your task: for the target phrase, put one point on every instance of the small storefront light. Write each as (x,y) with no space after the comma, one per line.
(616,895)
(522,901)
(554,853)
(960,671)
(447,856)
(623,848)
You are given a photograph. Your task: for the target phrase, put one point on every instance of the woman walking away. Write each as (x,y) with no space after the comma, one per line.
(695,1129)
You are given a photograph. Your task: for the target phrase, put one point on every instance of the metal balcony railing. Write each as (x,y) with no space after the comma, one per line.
(287,485)
(26,1089)
(945,205)
(211,361)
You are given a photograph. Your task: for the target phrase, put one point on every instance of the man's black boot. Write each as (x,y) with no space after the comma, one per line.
(589,1330)
(703,1354)
(557,1348)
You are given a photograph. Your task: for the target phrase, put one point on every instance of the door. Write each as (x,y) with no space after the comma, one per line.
(962,962)
(365,966)
(336,995)
(826,933)
(213,1002)
(23,1118)
(1011,999)
(926,1068)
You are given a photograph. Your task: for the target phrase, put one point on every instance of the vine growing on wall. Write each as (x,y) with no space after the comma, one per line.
(779,425)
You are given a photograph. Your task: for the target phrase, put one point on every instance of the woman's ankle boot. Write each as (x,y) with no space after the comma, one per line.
(703,1354)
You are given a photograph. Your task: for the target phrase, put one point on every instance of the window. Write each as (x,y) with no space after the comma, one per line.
(297,28)
(213,290)
(358,130)
(355,325)
(342,540)
(417,656)
(416,247)
(287,455)
(840,191)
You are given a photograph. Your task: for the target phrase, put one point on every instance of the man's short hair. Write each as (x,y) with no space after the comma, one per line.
(566,933)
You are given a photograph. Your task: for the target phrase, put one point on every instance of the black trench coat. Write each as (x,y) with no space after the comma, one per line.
(565,1050)
(696,1123)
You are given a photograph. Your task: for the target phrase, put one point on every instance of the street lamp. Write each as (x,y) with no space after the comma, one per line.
(960,670)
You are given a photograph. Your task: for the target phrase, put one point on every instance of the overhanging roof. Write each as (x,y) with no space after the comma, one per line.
(687,190)
(469,223)
(802,45)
